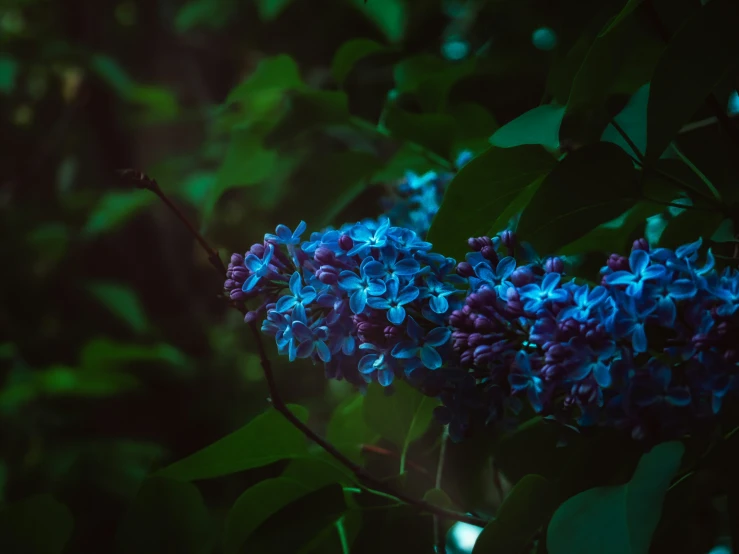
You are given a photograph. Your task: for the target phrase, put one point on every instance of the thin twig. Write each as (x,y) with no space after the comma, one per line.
(142,181)
(439,535)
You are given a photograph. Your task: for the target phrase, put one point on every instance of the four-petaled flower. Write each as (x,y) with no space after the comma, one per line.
(525,380)
(422,344)
(536,295)
(360,286)
(378,362)
(436,292)
(285,236)
(496,278)
(311,339)
(364,238)
(259,268)
(640,272)
(389,267)
(393,301)
(300,297)
(585,300)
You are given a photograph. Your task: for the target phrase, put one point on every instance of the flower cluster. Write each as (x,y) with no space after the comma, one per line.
(414,201)
(368,300)
(651,348)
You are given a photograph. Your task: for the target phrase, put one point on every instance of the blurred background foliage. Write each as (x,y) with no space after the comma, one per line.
(118,356)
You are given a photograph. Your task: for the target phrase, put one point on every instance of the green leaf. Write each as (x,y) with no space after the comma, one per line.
(474,124)
(104,353)
(269,10)
(630,6)
(523,512)
(430,79)
(633,121)
(350,53)
(267,438)
(8,73)
(401,417)
(537,126)
(619,519)
(263,89)
(481,191)
(298,523)
(688,225)
(592,185)
(94,383)
(432,131)
(701,53)
(389,15)
(439,498)
(123,302)
(166,516)
(254,507)
(347,429)
(36,525)
(114,209)
(319,470)
(212,14)
(309,110)
(247,163)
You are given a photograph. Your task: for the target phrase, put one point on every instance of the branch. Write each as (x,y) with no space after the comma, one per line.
(439,535)
(142,181)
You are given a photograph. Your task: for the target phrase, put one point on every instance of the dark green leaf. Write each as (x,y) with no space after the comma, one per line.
(389,15)
(619,519)
(167,516)
(537,126)
(592,185)
(401,417)
(352,52)
(267,83)
(115,208)
(481,192)
(123,302)
(347,429)
(687,226)
(106,354)
(439,498)
(430,79)
(212,14)
(269,10)
(633,121)
(67,381)
(319,470)
(36,525)
(630,6)
(298,523)
(523,512)
(474,124)
(309,110)
(704,50)
(432,131)
(246,163)
(266,439)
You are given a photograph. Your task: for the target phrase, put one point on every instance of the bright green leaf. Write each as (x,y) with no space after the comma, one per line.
(123,302)
(432,131)
(266,83)
(524,510)
(590,186)
(269,10)
(166,516)
(267,438)
(347,429)
(401,417)
(618,519)
(389,16)
(702,52)
(36,525)
(350,53)
(537,126)
(481,191)
(633,121)
(115,208)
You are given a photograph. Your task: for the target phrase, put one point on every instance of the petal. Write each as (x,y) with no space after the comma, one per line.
(367,363)
(349,345)
(439,304)
(374,269)
(357,301)
(295,283)
(298,313)
(679,396)
(505,267)
(308,294)
(653,271)
(300,229)
(535,398)
(682,289)
(301,331)
(392,288)
(285,303)
(522,362)
(430,357)
(518,381)
(550,282)
(305,349)
(385,377)
(602,374)
(322,350)
(396,315)
(619,278)
(405,350)
(484,272)
(251,282)
(376,288)
(686,250)
(438,336)
(292,350)
(638,261)
(408,294)
(639,339)
(407,267)
(252,263)
(415,331)
(349,281)
(378,302)
(360,233)
(597,295)
(581,295)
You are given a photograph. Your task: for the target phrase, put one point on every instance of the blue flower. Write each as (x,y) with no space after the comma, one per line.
(360,287)
(300,297)
(720,387)
(655,388)
(525,380)
(495,278)
(416,182)
(422,345)
(640,272)
(436,292)
(630,320)
(585,301)
(536,295)
(393,301)
(285,235)
(407,240)
(595,361)
(378,362)
(727,290)
(329,239)
(666,293)
(312,339)
(389,267)
(365,238)
(259,268)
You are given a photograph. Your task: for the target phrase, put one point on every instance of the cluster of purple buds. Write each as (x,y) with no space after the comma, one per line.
(414,201)
(369,300)
(652,349)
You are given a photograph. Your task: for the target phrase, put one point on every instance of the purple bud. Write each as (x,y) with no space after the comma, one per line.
(237,259)
(477,244)
(508,238)
(324,256)
(237,294)
(465,270)
(554,265)
(257,250)
(489,253)
(617,262)
(229,284)
(328,275)
(239,274)
(522,276)
(251,317)
(640,244)
(346,242)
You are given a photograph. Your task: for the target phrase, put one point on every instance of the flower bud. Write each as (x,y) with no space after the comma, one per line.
(328,275)
(346,242)
(237,259)
(640,244)
(465,270)
(522,276)
(489,253)
(257,250)
(554,265)
(617,263)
